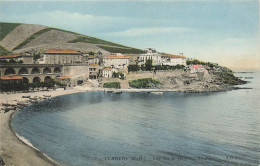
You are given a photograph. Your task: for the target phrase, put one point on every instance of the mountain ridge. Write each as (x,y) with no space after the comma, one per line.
(19,37)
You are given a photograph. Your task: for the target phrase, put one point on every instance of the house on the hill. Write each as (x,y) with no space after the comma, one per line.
(94,71)
(173,60)
(197,68)
(93,60)
(150,54)
(116,61)
(60,56)
(108,72)
(20,58)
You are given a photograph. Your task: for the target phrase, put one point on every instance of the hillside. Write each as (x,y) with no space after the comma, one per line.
(19,38)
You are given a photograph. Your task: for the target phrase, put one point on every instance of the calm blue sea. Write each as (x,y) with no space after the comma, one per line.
(97,128)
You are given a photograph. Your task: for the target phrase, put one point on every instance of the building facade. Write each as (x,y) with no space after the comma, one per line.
(59,56)
(173,60)
(108,72)
(117,61)
(155,57)
(25,59)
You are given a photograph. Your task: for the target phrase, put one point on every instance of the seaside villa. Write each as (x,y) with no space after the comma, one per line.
(108,72)
(173,60)
(197,68)
(150,54)
(116,61)
(60,56)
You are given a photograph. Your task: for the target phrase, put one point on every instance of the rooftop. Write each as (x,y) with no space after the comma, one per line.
(11,78)
(60,51)
(173,56)
(63,77)
(93,65)
(108,68)
(117,57)
(10,56)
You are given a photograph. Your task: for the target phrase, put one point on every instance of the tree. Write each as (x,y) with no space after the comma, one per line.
(91,53)
(122,76)
(36,56)
(148,64)
(133,68)
(115,75)
(20,61)
(99,53)
(12,61)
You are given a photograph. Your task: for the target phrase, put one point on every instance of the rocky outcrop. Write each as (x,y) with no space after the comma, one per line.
(185,81)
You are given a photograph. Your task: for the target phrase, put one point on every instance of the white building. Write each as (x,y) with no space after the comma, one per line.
(197,68)
(154,56)
(173,60)
(59,56)
(108,72)
(116,61)
(93,60)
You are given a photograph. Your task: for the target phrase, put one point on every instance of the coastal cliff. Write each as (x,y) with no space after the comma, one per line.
(217,79)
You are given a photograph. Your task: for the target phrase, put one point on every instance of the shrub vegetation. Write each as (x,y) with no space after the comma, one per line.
(123,50)
(112,85)
(3,51)
(6,28)
(144,83)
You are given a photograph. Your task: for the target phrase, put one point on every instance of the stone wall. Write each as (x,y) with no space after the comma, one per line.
(80,72)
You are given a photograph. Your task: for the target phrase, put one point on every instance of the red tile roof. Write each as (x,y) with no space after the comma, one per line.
(196,66)
(10,56)
(117,57)
(173,56)
(108,68)
(93,64)
(63,77)
(60,51)
(11,78)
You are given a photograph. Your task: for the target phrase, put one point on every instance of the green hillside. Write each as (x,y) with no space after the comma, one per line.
(6,28)
(3,51)
(93,40)
(126,50)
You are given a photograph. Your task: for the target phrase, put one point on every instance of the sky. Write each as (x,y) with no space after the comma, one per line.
(221,31)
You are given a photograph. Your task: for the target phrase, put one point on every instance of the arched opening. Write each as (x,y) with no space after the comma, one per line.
(9,71)
(25,80)
(23,70)
(47,78)
(46,70)
(35,70)
(36,80)
(57,70)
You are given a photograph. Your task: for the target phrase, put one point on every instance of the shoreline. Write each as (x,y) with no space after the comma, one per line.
(16,150)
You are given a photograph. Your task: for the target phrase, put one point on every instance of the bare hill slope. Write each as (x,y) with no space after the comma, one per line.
(19,34)
(27,37)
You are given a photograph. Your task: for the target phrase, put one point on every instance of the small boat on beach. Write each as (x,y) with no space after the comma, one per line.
(6,104)
(33,101)
(22,104)
(26,96)
(47,95)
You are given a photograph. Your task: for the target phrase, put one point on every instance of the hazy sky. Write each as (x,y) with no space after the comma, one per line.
(222,31)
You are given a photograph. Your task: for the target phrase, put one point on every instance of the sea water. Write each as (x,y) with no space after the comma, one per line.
(98,128)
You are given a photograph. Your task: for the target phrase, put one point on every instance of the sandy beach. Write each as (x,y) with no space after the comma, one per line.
(16,151)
